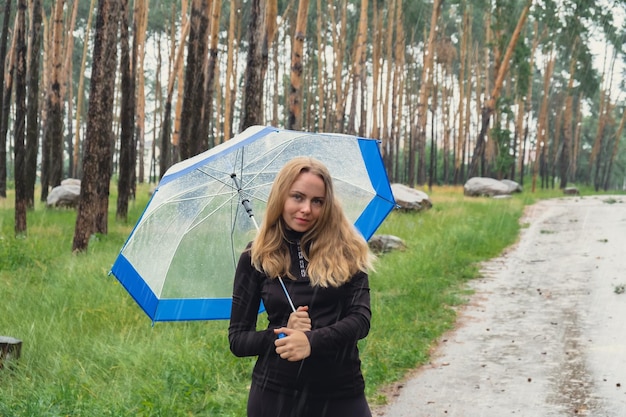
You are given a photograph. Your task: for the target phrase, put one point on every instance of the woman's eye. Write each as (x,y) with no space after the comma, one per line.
(318,202)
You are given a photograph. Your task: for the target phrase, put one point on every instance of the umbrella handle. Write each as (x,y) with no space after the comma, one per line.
(282,284)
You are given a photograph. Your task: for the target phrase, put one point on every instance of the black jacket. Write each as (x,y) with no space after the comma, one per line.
(339,318)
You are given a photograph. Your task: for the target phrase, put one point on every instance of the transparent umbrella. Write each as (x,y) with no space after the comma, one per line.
(179,261)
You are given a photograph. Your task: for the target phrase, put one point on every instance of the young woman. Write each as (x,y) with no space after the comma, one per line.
(308,361)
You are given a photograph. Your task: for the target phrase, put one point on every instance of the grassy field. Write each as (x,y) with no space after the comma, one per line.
(88,350)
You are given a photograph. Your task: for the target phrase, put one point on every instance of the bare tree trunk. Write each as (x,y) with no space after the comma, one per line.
(426,87)
(339,47)
(81,94)
(522,130)
(567,127)
(294,120)
(613,157)
(598,144)
(127,113)
(94,190)
(166,159)
(542,120)
(67,85)
(460,139)
(253,90)
(32,120)
(387,93)
(140,29)
(490,104)
(52,148)
(4,112)
(231,76)
(191,142)
(175,153)
(21,203)
(358,62)
(211,70)
(377,43)
(322,74)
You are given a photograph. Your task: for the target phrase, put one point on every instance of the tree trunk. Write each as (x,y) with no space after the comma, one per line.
(542,120)
(358,62)
(191,142)
(595,157)
(67,87)
(231,71)
(490,104)
(81,94)
(253,90)
(175,152)
(127,113)
(294,120)
(208,117)
(565,158)
(21,203)
(52,158)
(94,190)
(376,68)
(4,112)
(613,157)
(32,119)
(459,142)
(339,47)
(426,87)
(140,29)
(166,157)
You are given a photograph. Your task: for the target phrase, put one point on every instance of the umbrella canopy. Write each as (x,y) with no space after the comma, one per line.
(179,261)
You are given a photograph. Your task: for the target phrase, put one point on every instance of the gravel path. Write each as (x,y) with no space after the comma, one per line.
(545,333)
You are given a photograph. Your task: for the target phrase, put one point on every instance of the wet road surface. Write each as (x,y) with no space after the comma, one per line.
(544,335)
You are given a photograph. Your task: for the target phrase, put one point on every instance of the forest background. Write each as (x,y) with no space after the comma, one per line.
(114,90)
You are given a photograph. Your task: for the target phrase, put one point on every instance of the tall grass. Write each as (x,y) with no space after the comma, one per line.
(88,350)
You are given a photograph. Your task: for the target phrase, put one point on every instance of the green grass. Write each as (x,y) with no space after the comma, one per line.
(88,350)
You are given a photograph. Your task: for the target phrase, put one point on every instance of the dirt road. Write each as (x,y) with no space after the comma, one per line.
(545,333)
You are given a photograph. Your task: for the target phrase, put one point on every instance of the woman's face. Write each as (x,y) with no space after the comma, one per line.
(304,202)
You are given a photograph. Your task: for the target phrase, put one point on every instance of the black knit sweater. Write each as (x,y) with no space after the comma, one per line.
(339,318)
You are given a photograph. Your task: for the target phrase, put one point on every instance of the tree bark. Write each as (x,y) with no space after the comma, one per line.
(127,113)
(166,157)
(542,121)
(94,190)
(231,71)
(140,29)
(565,159)
(52,148)
(191,142)
(77,173)
(21,202)
(358,62)
(459,143)
(426,87)
(207,116)
(253,90)
(4,112)
(339,46)
(490,104)
(32,119)
(294,120)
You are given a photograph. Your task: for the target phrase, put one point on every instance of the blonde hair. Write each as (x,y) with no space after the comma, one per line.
(333,247)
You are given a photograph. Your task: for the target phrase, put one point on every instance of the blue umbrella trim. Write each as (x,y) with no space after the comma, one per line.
(383,203)
(168,309)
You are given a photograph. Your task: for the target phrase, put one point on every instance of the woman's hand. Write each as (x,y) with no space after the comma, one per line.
(300,320)
(294,346)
